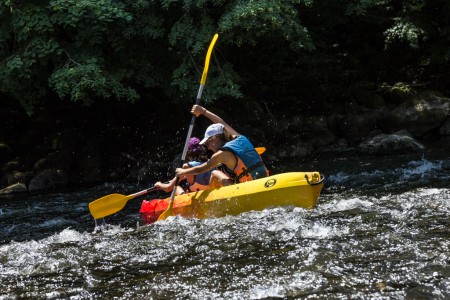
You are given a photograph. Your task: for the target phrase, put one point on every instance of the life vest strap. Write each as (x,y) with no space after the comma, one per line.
(250,169)
(230,173)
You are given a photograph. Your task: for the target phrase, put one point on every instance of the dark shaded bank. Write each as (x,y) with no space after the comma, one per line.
(65,145)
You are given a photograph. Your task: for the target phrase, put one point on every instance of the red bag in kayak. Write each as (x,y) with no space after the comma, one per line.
(151,210)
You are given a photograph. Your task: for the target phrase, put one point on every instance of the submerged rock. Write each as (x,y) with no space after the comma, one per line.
(419,115)
(387,144)
(48,179)
(14,189)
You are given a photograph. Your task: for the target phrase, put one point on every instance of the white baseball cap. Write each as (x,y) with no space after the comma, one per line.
(212,130)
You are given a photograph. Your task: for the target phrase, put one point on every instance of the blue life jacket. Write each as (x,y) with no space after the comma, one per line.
(249,161)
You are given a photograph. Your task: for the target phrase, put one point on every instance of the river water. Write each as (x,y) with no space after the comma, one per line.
(381,230)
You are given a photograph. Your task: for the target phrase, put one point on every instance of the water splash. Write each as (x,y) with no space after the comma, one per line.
(382,244)
(421,169)
(410,174)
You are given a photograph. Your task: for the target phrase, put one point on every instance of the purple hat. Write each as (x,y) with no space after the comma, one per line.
(194,145)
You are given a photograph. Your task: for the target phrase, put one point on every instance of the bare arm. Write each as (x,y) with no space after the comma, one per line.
(167,187)
(179,172)
(221,157)
(198,110)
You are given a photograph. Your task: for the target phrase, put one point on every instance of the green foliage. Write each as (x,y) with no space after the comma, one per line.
(64,46)
(84,50)
(362,7)
(248,21)
(84,75)
(81,80)
(71,12)
(242,24)
(404,31)
(419,36)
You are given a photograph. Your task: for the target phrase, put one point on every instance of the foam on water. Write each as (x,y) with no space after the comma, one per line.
(339,178)
(412,172)
(55,222)
(382,244)
(30,257)
(346,204)
(255,255)
(321,231)
(421,169)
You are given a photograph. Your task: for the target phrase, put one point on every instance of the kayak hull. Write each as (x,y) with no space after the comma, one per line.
(300,189)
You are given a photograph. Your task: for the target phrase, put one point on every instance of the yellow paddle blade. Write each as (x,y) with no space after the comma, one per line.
(260,150)
(167,213)
(108,205)
(208,56)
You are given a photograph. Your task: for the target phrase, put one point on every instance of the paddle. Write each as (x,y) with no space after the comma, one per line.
(113,203)
(260,150)
(169,211)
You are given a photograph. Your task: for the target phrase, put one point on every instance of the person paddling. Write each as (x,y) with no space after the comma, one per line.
(234,152)
(197,155)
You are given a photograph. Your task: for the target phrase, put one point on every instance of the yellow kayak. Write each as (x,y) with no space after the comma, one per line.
(301,189)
